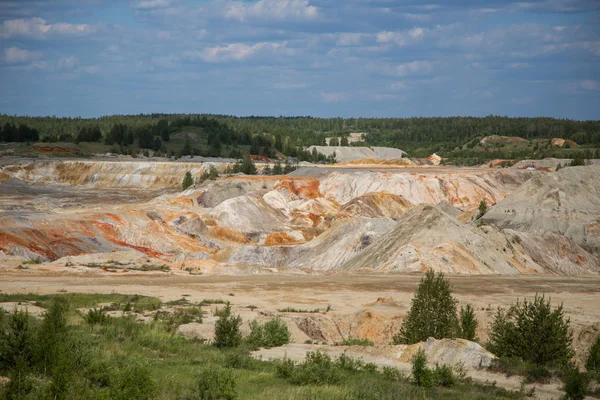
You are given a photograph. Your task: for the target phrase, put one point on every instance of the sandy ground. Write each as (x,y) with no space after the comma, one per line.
(347,294)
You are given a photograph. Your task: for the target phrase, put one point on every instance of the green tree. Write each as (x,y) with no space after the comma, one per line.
(344,141)
(334,141)
(432,312)
(245,165)
(227,329)
(16,342)
(592,363)
(216,383)
(482,208)
(187,181)
(277,169)
(532,332)
(468,323)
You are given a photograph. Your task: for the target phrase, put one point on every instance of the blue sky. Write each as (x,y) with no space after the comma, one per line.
(371,58)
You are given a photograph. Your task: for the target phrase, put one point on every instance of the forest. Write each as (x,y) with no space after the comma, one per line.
(223,135)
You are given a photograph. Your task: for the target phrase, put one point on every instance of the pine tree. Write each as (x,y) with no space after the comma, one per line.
(227,329)
(432,312)
(187,181)
(468,323)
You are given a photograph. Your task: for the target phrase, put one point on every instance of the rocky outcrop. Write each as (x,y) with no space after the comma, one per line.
(460,189)
(341,242)
(428,238)
(566,203)
(377,205)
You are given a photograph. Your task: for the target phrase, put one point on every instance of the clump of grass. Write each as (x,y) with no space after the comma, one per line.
(298,310)
(151,267)
(355,342)
(207,302)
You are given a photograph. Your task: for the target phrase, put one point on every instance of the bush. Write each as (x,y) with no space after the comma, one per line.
(187,181)
(532,332)
(319,369)
(96,316)
(227,329)
(272,334)
(592,363)
(432,312)
(132,380)
(468,324)
(16,342)
(216,383)
(576,384)
(356,342)
(423,376)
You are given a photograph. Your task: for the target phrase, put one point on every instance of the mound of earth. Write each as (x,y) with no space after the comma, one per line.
(566,202)
(428,238)
(464,190)
(346,154)
(375,205)
(341,242)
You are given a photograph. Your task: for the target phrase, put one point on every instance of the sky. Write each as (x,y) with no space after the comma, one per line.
(324,58)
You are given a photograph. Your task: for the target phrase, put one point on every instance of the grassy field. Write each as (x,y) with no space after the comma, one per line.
(124,358)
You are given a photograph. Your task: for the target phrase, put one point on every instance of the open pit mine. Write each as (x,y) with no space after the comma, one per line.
(335,251)
(124,215)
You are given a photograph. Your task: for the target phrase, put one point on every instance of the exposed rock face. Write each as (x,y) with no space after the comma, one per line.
(462,190)
(427,238)
(563,203)
(109,174)
(376,205)
(345,154)
(341,242)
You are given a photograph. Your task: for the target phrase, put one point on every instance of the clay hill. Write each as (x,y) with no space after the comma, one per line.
(110,215)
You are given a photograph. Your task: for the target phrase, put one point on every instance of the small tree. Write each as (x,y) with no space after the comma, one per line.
(187,181)
(468,323)
(533,332)
(593,361)
(482,208)
(277,169)
(272,334)
(267,170)
(16,342)
(432,312)
(422,375)
(227,329)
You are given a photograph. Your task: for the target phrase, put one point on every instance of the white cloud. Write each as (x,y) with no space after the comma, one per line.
(238,51)
(333,97)
(16,55)
(68,62)
(398,85)
(414,67)
(38,28)
(151,4)
(404,38)
(269,9)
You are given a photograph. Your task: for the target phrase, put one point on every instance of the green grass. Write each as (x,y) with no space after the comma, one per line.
(299,310)
(84,300)
(355,342)
(206,302)
(174,362)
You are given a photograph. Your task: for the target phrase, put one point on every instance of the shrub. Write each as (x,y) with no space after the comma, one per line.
(356,342)
(317,369)
(442,375)
(533,332)
(432,312)
(482,208)
(592,363)
(468,323)
(187,181)
(272,334)
(422,375)
(227,329)
(576,384)
(216,383)
(96,316)
(132,380)
(16,341)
